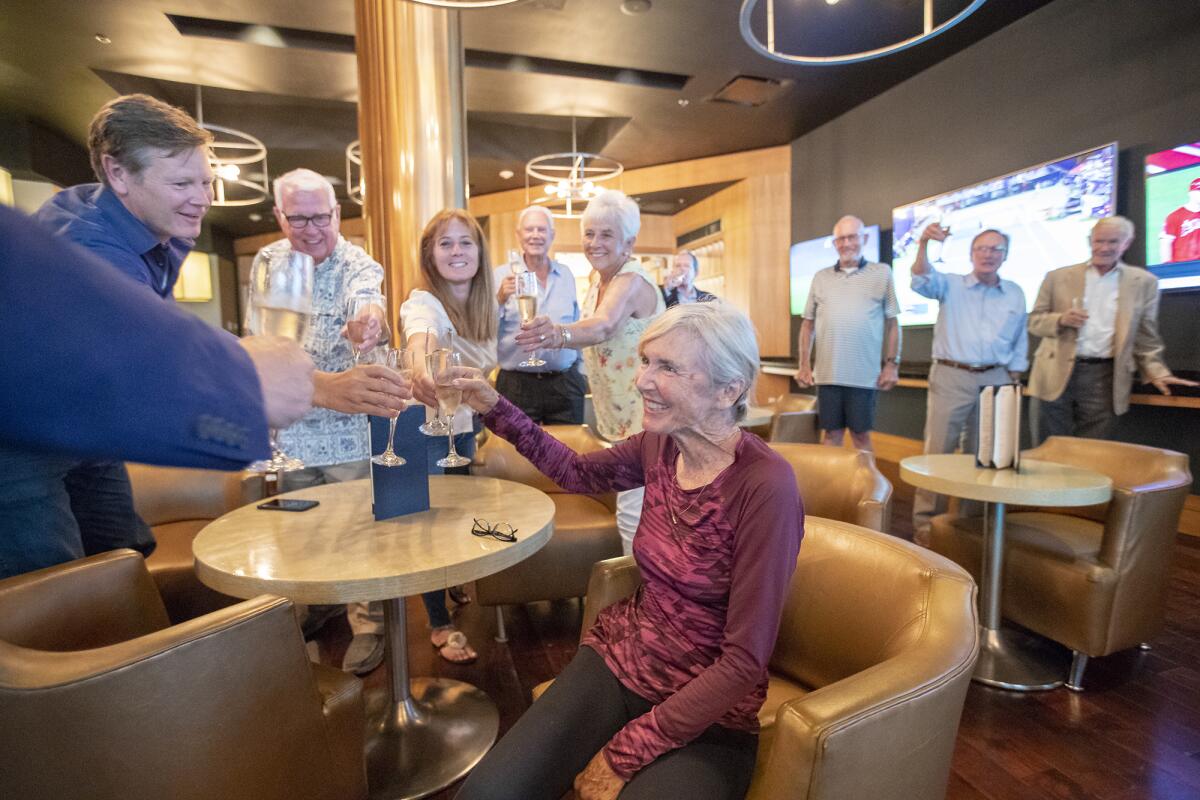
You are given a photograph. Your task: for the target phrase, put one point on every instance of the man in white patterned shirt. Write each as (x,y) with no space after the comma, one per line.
(332,439)
(852,310)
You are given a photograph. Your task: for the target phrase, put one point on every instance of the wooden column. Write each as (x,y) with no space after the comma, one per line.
(412,123)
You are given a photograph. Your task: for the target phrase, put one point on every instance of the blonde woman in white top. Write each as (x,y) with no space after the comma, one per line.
(458,304)
(622,299)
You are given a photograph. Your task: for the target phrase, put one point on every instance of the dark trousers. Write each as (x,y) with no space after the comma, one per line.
(1085,407)
(555,739)
(548,399)
(54,510)
(439,446)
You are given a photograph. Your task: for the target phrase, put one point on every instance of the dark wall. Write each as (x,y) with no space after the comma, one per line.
(1074,75)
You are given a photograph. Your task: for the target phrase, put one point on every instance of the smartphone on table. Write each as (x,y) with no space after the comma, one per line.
(288,504)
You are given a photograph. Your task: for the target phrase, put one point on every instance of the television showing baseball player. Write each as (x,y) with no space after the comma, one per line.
(1173,216)
(1047,210)
(809,258)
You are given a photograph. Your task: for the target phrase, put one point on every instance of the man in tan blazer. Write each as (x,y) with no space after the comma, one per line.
(1098,322)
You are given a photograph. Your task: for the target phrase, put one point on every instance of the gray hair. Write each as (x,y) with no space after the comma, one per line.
(728,343)
(1128,229)
(529,210)
(612,204)
(302,180)
(999,233)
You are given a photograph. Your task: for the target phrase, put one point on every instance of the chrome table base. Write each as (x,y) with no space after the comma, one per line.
(1012,659)
(423,734)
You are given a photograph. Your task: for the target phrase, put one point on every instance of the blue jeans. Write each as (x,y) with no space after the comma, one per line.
(55,509)
(464,443)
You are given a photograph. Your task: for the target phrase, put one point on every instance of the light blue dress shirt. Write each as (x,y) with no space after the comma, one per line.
(977,324)
(557,302)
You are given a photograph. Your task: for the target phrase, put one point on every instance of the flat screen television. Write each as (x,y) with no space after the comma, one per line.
(1173,216)
(808,258)
(1047,210)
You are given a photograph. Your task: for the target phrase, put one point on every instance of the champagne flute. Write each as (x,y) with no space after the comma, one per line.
(449,397)
(359,319)
(528,290)
(400,362)
(280,305)
(515,262)
(435,426)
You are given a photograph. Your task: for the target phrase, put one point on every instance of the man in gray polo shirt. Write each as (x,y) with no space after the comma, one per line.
(852,309)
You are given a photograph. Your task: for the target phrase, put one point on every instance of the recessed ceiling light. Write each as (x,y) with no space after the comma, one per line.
(255,217)
(506,173)
(632,7)
(102,39)
(683,101)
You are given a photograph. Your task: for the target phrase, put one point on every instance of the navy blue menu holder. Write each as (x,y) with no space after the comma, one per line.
(405,489)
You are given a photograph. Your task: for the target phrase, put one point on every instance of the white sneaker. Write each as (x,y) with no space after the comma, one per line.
(364,654)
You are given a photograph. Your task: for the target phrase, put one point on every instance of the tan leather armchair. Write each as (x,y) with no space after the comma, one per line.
(795,419)
(1093,579)
(585,528)
(838,483)
(870,670)
(177,503)
(101,698)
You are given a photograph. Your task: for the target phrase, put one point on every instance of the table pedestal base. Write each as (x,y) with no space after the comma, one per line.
(429,740)
(1010,659)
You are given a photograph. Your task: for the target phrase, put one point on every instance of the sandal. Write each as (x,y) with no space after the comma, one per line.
(456,641)
(459,595)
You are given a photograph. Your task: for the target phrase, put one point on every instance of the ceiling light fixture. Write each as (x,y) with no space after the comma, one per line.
(506,174)
(464,3)
(929,29)
(102,39)
(355,185)
(239,163)
(569,180)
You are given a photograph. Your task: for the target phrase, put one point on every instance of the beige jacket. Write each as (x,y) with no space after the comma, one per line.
(1136,343)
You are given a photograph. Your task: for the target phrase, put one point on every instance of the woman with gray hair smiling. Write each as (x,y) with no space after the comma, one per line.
(662,698)
(621,301)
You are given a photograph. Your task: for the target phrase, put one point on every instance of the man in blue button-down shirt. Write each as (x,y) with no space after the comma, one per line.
(551,394)
(979,340)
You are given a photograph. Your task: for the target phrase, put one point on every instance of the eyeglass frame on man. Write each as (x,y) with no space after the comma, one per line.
(989,248)
(300,222)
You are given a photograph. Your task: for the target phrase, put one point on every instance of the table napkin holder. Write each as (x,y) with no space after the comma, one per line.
(396,491)
(999,427)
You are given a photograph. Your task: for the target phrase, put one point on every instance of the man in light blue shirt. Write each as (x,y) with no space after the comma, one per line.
(979,340)
(551,394)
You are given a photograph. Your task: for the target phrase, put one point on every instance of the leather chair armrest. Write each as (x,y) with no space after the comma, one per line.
(873,514)
(889,716)
(345,717)
(83,604)
(612,579)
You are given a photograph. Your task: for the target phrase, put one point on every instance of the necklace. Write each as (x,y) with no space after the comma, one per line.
(688,507)
(696,500)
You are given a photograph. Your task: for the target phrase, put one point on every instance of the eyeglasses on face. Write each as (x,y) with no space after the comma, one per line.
(300,222)
(502,532)
(987,248)
(847,239)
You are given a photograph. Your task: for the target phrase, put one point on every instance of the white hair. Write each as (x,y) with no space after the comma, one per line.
(529,210)
(302,180)
(728,344)
(613,205)
(1124,223)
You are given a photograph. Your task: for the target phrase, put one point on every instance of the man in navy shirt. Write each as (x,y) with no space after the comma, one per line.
(143,217)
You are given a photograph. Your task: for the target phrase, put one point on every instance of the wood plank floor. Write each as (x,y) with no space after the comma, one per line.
(1133,735)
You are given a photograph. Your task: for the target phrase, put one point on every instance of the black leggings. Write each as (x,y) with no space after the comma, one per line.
(555,739)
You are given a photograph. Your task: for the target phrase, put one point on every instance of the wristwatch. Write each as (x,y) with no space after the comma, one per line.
(894,360)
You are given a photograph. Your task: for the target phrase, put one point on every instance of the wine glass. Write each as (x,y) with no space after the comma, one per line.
(281,292)
(435,426)
(515,262)
(449,397)
(361,322)
(528,290)
(400,362)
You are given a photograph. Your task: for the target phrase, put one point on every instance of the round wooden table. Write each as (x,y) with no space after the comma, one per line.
(423,734)
(1007,659)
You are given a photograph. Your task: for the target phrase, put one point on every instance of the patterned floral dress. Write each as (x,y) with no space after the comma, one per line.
(612,365)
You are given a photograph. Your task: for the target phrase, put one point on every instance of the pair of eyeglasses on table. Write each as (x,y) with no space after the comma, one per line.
(502,532)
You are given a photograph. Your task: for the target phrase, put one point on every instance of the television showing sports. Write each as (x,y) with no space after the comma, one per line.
(1173,216)
(1047,211)
(809,258)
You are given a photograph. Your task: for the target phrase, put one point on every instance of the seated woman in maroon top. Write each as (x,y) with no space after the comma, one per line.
(662,698)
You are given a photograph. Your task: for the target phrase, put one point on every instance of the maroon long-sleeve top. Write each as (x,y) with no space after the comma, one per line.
(715,563)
